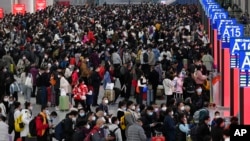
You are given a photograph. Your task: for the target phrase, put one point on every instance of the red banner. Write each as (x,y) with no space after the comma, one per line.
(1,13)
(19,9)
(64,3)
(40,4)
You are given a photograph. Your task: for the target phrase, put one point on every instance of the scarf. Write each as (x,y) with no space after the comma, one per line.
(44,121)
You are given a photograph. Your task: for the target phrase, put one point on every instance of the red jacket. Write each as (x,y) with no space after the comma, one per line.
(79,91)
(40,126)
(74,78)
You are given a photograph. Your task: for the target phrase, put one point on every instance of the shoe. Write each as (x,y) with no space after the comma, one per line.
(57,109)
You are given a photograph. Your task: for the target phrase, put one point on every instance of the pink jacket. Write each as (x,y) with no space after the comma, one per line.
(199,77)
(179,85)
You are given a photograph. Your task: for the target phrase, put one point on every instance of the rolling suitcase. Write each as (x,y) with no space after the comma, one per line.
(110,94)
(64,103)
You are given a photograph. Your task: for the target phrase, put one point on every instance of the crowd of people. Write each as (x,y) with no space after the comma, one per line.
(146,51)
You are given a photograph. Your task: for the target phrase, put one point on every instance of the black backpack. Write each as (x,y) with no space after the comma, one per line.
(194,132)
(112,133)
(32,127)
(145,57)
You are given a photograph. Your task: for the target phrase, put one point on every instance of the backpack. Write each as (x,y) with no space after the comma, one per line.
(145,57)
(32,127)
(190,87)
(112,133)
(123,121)
(59,130)
(199,115)
(19,125)
(194,133)
(89,136)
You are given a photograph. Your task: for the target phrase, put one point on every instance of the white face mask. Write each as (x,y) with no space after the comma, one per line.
(172,113)
(164,108)
(74,119)
(124,109)
(31,108)
(87,126)
(105,114)
(156,110)
(199,90)
(133,107)
(93,118)
(106,101)
(182,108)
(5,99)
(117,122)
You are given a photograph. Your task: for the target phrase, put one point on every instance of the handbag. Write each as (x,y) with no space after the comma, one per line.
(145,89)
(206,85)
(28,81)
(137,90)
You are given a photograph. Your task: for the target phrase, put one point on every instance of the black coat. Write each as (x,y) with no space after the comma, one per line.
(203,130)
(217,133)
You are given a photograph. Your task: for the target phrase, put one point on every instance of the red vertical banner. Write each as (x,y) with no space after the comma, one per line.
(225,77)
(244,105)
(40,4)
(235,90)
(1,13)
(215,48)
(19,9)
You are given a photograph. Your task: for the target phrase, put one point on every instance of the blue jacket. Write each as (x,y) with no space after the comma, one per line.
(169,128)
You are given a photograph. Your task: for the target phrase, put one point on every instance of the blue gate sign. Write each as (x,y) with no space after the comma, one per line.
(230,31)
(211,6)
(216,16)
(212,10)
(236,45)
(244,60)
(223,22)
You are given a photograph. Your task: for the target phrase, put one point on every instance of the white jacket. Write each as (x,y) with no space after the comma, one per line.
(168,86)
(26,118)
(4,135)
(64,84)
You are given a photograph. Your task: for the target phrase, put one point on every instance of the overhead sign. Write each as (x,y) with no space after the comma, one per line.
(230,31)
(223,22)
(211,6)
(40,5)
(236,45)
(1,13)
(244,60)
(216,16)
(19,9)
(239,44)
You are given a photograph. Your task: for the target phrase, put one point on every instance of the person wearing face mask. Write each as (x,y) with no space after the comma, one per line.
(81,115)
(104,106)
(84,69)
(169,125)
(79,91)
(120,112)
(216,116)
(199,98)
(162,112)
(217,130)
(182,129)
(203,129)
(42,124)
(179,111)
(149,122)
(96,133)
(26,118)
(74,77)
(69,123)
(114,127)
(82,129)
(22,64)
